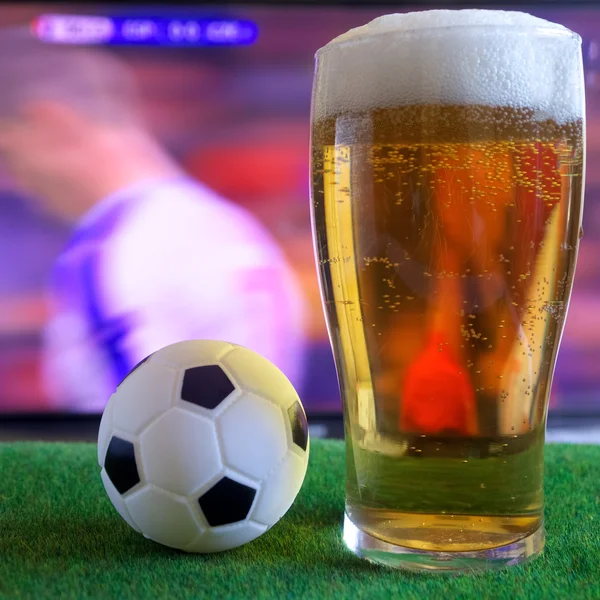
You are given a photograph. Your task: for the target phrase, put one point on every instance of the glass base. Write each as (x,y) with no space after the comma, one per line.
(410,559)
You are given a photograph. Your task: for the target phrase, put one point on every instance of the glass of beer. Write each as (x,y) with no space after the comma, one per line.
(447,178)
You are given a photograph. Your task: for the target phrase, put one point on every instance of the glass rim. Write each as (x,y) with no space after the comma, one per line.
(536,30)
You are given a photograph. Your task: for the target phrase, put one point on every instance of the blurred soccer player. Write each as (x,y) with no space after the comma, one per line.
(156,257)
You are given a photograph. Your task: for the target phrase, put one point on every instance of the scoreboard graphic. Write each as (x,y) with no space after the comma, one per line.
(125,31)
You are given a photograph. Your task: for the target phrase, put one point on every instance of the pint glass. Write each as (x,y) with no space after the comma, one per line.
(447,177)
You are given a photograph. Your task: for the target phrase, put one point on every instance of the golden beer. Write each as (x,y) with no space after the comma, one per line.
(446,238)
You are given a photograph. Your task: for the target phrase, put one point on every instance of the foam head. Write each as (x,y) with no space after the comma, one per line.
(453,57)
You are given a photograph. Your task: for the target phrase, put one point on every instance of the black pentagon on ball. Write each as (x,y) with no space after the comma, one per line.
(206,386)
(228,501)
(136,367)
(120,465)
(299,425)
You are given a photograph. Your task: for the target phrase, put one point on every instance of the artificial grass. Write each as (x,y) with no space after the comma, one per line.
(60,537)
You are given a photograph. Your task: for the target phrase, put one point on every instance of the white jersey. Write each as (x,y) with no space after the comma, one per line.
(155,264)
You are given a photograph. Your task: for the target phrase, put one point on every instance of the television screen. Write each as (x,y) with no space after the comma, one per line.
(154,187)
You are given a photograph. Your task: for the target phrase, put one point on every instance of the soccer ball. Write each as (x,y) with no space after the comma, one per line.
(204,446)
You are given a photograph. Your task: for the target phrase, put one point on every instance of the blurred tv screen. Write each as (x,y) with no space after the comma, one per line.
(225,95)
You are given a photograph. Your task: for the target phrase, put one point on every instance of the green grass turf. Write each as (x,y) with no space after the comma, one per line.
(60,537)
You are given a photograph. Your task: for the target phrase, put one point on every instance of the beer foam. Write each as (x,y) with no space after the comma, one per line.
(449,57)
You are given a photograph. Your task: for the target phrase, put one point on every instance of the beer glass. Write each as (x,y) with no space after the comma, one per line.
(447,178)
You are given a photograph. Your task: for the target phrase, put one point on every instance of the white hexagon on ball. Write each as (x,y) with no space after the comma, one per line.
(163,517)
(253,436)
(183,466)
(143,395)
(203,446)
